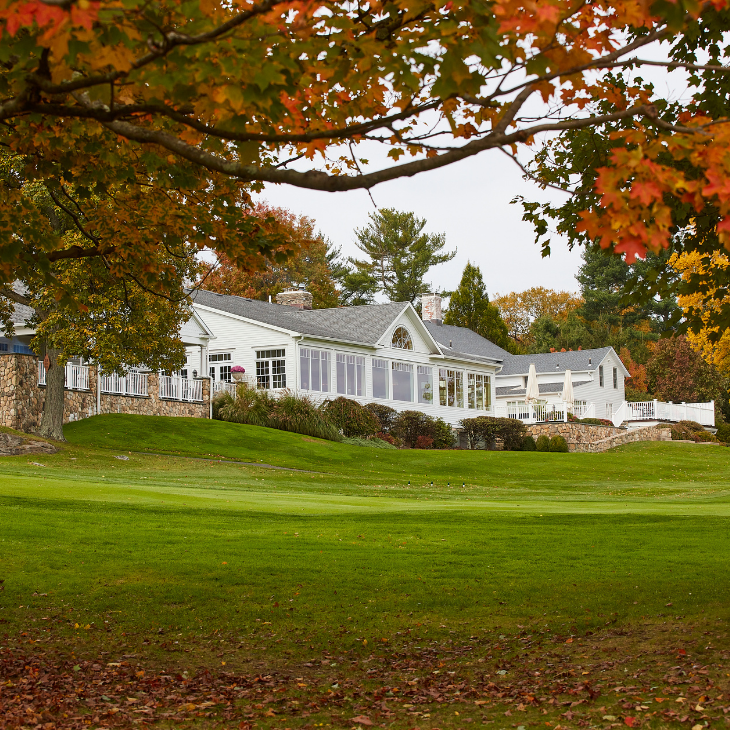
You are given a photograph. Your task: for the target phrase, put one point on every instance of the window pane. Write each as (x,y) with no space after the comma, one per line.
(380,378)
(304,359)
(341,375)
(360,368)
(226,373)
(402,381)
(479,392)
(316,374)
(262,373)
(451,386)
(459,378)
(324,358)
(472,395)
(278,373)
(425,384)
(350,375)
(443,382)
(212,373)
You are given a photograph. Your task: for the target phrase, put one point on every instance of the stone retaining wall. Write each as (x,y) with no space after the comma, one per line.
(584,438)
(21,398)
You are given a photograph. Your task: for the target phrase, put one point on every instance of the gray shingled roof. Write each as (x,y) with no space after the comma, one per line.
(462,342)
(365,324)
(544,388)
(21,314)
(554,362)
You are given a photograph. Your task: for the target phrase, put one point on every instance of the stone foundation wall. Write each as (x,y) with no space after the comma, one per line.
(21,398)
(584,438)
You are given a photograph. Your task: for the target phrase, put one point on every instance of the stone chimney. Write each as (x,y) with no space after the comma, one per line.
(297,298)
(431,308)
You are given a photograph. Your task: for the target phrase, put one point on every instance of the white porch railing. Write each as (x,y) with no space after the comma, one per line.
(220,386)
(533,412)
(655,410)
(133,383)
(177,388)
(76,377)
(583,410)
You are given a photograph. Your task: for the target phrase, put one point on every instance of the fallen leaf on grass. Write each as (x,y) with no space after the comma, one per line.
(362,720)
(630,721)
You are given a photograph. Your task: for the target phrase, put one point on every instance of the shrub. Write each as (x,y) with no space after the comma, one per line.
(443,435)
(409,425)
(704,437)
(691,426)
(251,406)
(224,398)
(388,438)
(543,443)
(512,432)
(723,433)
(374,443)
(423,442)
(385,414)
(595,421)
(558,445)
(299,414)
(528,444)
(488,429)
(350,417)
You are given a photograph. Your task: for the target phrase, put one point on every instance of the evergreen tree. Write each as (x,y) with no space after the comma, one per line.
(399,255)
(469,307)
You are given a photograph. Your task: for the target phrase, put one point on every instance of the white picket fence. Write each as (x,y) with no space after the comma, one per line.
(133,383)
(174,387)
(76,377)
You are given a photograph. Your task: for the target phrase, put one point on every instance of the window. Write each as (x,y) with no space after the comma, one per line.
(451,388)
(600,375)
(479,391)
(314,366)
(402,381)
(615,377)
(609,411)
(271,369)
(380,378)
(350,374)
(220,371)
(401,339)
(184,373)
(425,384)
(3,346)
(22,350)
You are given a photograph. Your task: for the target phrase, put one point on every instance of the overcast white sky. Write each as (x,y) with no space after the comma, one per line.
(470,203)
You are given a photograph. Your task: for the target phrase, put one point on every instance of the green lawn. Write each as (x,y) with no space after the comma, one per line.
(593,570)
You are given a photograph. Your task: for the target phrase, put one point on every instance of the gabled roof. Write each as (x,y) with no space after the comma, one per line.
(544,388)
(21,314)
(365,324)
(463,342)
(555,362)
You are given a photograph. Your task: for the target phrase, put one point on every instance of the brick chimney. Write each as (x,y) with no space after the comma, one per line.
(297,298)
(431,308)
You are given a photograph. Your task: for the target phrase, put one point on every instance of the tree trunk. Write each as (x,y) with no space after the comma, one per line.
(52,420)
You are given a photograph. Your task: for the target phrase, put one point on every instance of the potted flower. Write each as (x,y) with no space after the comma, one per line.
(237,373)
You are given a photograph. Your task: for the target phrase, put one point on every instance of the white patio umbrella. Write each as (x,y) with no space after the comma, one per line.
(532,392)
(568,396)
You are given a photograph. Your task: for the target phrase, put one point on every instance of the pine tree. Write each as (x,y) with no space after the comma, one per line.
(399,255)
(469,307)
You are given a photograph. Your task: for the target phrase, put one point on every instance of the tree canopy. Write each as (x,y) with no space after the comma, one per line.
(172,111)
(469,307)
(316,265)
(653,185)
(398,256)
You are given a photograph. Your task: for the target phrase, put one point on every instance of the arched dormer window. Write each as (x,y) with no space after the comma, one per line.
(401,339)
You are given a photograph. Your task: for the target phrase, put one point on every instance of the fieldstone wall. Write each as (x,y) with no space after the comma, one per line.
(584,438)
(21,398)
